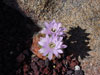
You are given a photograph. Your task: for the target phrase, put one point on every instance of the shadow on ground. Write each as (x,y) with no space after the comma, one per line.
(16,33)
(77,43)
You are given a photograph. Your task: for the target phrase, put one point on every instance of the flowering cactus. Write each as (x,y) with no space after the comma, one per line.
(52,43)
(53,28)
(50,46)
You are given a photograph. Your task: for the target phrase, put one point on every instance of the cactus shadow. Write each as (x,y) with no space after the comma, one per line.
(77,43)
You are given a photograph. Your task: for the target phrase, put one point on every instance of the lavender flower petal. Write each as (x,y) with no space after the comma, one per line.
(50,56)
(60,51)
(55,52)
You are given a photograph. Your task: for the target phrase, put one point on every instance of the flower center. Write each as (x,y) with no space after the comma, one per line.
(52,45)
(53,30)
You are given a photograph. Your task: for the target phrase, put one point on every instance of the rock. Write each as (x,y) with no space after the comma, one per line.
(20,58)
(79,72)
(77,67)
(83,16)
(25,69)
(70,72)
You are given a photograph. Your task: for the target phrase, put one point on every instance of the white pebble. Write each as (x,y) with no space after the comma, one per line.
(77,67)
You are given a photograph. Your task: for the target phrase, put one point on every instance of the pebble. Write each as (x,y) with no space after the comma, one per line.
(79,72)
(70,72)
(77,67)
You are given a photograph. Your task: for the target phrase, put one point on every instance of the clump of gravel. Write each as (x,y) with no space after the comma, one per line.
(65,65)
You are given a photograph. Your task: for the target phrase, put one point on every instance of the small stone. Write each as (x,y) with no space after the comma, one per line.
(54,72)
(40,63)
(20,58)
(77,67)
(46,62)
(11,52)
(66,65)
(70,72)
(33,55)
(68,58)
(25,68)
(26,52)
(79,72)
(35,59)
(46,70)
(54,66)
(73,64)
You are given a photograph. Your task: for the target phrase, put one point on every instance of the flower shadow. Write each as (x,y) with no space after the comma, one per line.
(77,43)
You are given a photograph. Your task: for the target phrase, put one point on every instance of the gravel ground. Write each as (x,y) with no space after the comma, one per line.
(80,17)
